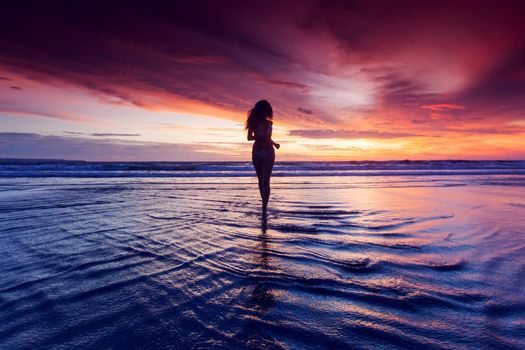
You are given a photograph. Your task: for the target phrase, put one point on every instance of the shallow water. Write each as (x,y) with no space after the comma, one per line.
(382,262)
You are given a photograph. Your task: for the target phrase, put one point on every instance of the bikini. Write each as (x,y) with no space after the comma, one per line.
(262,135)
(263,153)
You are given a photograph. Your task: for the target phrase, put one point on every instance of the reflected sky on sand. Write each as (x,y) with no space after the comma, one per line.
(364,262)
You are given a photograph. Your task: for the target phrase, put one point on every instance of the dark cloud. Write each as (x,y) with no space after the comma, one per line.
(349,134)
(293,53)
(397,89)
(419,51)
(100,134)
(149,54)
(15,87)
(289,84)
(503,84)
(378,28)
(113,134)
(305,111)
(34,146)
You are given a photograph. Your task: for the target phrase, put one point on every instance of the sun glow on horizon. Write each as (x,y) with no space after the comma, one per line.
(83,115)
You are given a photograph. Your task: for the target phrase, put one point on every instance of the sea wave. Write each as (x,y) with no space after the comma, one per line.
(79,169)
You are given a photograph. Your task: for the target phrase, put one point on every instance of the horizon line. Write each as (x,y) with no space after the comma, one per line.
(7,160)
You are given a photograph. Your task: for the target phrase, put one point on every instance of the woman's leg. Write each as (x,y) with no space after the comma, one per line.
(266,174)
(258,163)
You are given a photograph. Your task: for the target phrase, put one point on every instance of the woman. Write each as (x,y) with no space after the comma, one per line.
(259,126)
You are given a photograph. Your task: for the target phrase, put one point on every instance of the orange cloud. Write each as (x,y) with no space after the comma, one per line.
(442,107)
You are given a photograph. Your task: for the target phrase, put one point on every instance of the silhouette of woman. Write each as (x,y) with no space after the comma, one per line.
(259,126)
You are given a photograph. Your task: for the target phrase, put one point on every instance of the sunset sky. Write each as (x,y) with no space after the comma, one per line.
(348,80)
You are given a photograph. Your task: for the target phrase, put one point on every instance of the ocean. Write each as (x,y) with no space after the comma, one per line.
(174,255)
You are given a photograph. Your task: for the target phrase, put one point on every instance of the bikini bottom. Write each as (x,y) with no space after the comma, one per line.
(263,153)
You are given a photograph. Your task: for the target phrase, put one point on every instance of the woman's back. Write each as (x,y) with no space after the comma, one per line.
(263,135)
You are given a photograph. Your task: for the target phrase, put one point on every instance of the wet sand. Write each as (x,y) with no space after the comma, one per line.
(370,262)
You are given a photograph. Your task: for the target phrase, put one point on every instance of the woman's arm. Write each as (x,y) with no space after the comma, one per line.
(276,144)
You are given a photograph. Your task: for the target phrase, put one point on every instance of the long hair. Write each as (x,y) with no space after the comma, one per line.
(259,113)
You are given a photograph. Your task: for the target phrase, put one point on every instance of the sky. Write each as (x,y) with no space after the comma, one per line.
(348,80)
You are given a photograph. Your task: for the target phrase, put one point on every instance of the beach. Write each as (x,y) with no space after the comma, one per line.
(379,255)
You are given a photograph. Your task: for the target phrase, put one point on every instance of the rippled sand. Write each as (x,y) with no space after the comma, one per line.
(388,262)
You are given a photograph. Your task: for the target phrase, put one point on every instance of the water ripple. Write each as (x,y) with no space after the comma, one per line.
(187,263)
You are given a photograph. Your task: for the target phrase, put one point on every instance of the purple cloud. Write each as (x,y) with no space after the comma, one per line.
(34,146)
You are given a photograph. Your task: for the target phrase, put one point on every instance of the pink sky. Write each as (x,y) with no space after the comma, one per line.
(347,80)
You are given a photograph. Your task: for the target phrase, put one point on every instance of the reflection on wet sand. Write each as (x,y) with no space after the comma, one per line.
(263,297)
(340,263)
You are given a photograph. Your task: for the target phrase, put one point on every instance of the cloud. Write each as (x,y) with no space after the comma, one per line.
(401,46)
(176,56)
(502,85)
(305,111)
(442,107)
(416,66)
(398,89)
(112,134)
(34,146)
(9,107)
(484,131)
(195,58)
(289,84)
(349,134)
(101,134)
